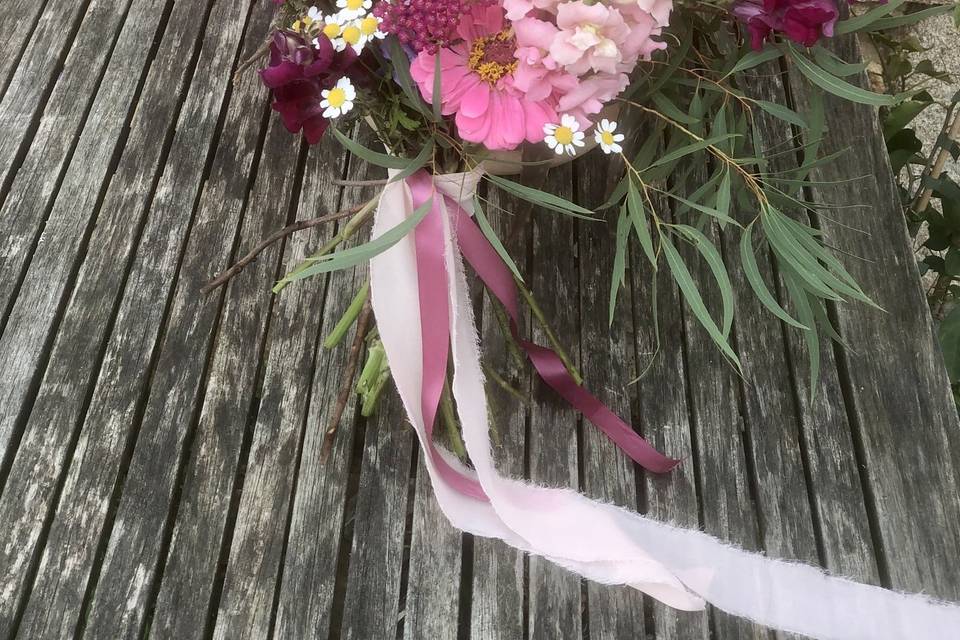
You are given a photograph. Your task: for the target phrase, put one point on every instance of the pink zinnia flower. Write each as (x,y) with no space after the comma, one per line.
(591,38)
(477,83)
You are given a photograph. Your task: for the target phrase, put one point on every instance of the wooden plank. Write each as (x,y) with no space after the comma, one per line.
(555,599)
(663,409)
(307,591)
(839,512)
(608,358)
(78,200)
(896,388)
(18,21)
(727,504)
(201,534)
(498,588)
(254,565)
(95,474)
(128,573)
(62,397)
(39,69)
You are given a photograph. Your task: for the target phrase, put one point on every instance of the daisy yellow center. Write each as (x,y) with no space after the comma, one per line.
(332,30)
(351,34)
(337,97)
(354,4)
(564,135)
(368,26)
(607,137)
(492,57)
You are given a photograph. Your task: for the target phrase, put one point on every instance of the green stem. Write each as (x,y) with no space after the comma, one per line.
(551,337)
(506,386)
(450,422)
(348,230)
(512,347)
(349,317)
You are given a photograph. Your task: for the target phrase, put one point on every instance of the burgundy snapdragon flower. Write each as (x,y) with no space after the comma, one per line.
(802,21)
(298,72)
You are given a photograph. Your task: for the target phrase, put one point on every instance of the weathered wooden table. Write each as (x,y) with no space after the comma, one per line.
(159,466)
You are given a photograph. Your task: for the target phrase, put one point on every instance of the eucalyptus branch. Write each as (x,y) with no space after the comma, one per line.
(551,336)
(224,277)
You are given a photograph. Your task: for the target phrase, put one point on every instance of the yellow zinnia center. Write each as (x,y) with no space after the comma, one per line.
(354,4)
(337,97)
(368,26)
(351,34)
(492,57)
(332,30)
(607,137)
(564,135)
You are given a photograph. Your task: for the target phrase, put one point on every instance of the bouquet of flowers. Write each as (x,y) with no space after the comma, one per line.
(461,93)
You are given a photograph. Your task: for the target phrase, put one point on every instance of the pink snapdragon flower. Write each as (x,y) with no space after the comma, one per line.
(477,83)
(802,21)
(591,38)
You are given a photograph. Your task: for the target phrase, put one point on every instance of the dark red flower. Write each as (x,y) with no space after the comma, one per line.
(802,21)
(298,72)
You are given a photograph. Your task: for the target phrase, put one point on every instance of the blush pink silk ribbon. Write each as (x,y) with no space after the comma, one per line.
(683,568)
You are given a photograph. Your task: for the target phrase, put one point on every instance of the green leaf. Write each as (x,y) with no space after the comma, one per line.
(542,198)
(911,18)
(719,270)
(949,333)
(810,335)
(835,85)
(364,252)
(710,211)
(634,206)
(491,235)
(425,155)
(401,65)
(723,196)
(783,113)
(437,77)
(754,58)
(858,23)
(373,157)
(619,274)
(902,115)
(672,111)
(752,271)
(951,263)
(692,295)
(832,64)
(687,149)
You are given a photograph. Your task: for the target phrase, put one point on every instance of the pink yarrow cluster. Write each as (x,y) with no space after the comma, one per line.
(512,68)
(426,25)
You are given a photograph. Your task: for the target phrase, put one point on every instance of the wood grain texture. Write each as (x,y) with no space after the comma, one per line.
(246,605)
(306,594)
(609,362)
(894,385)
(96,472)
(18,20)
(555,599)
(59,404)
(130,564)
(27,94)
(65,203)
(498,588)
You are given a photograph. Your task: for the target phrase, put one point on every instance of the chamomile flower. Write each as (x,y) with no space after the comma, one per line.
(333,28)
(606,138)
(351,35)
(310,21)
(370,27)
(564,137)
(338,100)
(353,9)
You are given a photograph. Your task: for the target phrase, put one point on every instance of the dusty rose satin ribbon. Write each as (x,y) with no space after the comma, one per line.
(602,542)
(498,279)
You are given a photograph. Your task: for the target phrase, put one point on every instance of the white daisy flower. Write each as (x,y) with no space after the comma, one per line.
(339,100)
(564,137)
(333,28)
(606,138)
(370,27)
(353,9)
(310,21)
(353,36)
